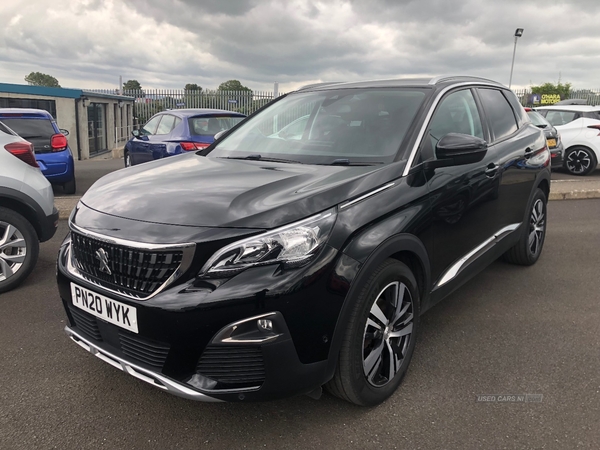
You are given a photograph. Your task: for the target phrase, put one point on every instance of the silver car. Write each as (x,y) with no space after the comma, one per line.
(27,212)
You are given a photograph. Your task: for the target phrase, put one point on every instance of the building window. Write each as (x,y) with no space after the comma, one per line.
(46,105)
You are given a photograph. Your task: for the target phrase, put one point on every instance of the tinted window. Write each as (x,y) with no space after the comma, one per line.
(520,112)
(166,124)
(151,125)
(561,117)
(357,125)
(31,128)
(209,126)
(499,113)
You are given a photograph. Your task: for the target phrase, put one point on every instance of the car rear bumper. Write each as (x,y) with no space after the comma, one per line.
(48,226)
(57,167)
(557,156)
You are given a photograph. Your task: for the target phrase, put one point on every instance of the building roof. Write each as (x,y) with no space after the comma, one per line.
(56,92)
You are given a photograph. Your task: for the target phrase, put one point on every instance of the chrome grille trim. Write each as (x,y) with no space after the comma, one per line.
(187,249)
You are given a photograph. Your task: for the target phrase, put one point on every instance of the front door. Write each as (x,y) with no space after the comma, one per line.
(97,128)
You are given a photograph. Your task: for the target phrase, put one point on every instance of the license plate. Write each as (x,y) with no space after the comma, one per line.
(551,143)
(105,308)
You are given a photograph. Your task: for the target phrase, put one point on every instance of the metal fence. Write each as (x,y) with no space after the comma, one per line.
(150,101)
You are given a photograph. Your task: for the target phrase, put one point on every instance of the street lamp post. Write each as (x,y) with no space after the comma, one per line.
(518,34)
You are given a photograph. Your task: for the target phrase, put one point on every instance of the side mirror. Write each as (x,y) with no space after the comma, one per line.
(542,126)
(136,133)
(65,132)
(219,134)
(456,149)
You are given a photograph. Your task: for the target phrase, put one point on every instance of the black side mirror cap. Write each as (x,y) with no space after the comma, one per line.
(455,149)
(65,132)
(135,133)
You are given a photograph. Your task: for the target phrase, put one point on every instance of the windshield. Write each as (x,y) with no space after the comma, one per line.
(346,126)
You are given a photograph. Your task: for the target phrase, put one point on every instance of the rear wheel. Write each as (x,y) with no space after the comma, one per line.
(529,248)
(380,338)
(19,249)
(70,187)
(580,161)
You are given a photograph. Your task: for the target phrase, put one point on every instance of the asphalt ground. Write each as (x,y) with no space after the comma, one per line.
(510,331)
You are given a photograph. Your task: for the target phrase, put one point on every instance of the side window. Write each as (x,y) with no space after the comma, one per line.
(166,124)
(456,113)
(177,122)
(522,116)
(561,117)
(499,113)
(150,127)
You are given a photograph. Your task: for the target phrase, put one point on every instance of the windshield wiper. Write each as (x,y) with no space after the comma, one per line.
(347,162)
(257,157)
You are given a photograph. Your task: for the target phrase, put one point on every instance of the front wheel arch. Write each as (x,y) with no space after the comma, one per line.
(405,248)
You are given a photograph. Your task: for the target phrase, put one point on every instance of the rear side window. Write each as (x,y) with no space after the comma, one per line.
(537,119)
(522,117)
(561,117)
(500,115)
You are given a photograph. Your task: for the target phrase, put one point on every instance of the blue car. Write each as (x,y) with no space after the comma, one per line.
(52,151)
(174,132)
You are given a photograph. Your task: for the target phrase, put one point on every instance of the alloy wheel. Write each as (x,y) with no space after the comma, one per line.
(387,335)
(537,227)
(13,250)
(578,161)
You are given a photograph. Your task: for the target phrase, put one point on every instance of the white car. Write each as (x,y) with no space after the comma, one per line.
(579,128)
(27,212)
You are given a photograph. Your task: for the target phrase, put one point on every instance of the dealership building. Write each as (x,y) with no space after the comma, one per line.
(97,123)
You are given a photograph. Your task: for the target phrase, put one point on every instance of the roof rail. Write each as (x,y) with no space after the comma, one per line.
(438,79)
(313,85)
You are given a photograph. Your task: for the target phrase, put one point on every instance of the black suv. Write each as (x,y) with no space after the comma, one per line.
(271,264)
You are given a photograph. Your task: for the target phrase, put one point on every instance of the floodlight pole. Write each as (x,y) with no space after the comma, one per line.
(518,34)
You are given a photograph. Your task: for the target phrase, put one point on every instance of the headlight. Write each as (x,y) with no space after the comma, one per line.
(292,245)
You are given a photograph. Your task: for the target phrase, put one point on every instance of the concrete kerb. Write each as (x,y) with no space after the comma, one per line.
(557,192)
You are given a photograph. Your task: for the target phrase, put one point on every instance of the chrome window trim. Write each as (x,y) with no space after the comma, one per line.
(455,268)
(415,149)
(367,195)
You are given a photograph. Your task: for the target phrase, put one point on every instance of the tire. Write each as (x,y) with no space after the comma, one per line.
(529,248)
(580,161)
(127,159)
(70,187)
(19,249)
(366,374)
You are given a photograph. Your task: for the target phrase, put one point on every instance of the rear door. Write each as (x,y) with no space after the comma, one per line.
(159,141)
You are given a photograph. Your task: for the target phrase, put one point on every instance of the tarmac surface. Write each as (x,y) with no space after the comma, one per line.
(564,186)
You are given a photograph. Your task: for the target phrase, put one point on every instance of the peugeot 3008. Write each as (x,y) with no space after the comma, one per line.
(263,267)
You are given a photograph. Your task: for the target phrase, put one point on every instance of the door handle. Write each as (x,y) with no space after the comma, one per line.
(491,169)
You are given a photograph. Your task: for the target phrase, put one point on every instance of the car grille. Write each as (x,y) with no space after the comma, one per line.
(152,353)
(135,272)
(233,366)
(86,323)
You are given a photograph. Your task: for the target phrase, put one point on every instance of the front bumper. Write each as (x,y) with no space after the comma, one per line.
(180,349)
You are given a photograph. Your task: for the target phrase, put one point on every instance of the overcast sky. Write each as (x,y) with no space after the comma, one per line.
(168,43)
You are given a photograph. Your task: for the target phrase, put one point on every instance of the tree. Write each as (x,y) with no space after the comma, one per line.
(41,79)
(550,93)
(233,85)
(132,85)
(192,87)
(240,97)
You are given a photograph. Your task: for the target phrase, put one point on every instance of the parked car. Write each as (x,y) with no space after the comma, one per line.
(579,128)
(263,267)
(177,131)
(27,212)
(51,147)
(555,144)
